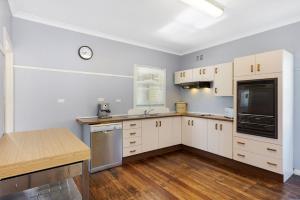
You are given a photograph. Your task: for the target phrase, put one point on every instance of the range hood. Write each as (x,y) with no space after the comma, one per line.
(196,85)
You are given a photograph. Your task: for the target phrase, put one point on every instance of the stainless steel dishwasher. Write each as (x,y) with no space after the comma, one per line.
(106,146)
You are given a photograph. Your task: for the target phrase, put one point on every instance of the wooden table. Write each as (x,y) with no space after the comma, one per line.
(38,154)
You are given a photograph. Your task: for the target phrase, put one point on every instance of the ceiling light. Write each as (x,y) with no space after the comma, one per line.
(207,6)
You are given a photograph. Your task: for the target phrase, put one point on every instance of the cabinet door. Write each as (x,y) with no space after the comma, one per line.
(244,66)
(186,131)
(187,76)
(177,77)
(225,140)
(223,80)
(213,136)
(165,132)
(149,134)
(199,133)
(176,130)
(208,73)
(197,74)
(269,62)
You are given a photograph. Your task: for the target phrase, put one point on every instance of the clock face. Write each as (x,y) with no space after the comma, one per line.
(85,52)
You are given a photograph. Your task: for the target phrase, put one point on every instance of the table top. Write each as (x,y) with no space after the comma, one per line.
(26,152)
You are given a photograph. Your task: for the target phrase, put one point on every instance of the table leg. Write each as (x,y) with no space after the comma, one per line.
(85,186)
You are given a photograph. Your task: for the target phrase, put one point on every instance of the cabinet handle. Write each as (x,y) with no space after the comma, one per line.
(188,122)
(221,127)
(133,142)
(200,71)
(156,123)
(252,68)
(183,74)
(159,123)
(241,155)
(132,151)
(192,122)
(258,67)
(269,149)
(272,164)
(216,70)
(241,143)
(203,71)
(216,126)
(132,124)
(216,90)
(133,133)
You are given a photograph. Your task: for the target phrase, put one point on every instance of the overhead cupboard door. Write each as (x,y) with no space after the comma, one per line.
(203,74)
(269,62)
(244,66)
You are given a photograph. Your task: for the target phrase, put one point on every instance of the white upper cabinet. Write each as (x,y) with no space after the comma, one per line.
(223,79)
(185,76)
(263,63)
(269,62)
(203,74)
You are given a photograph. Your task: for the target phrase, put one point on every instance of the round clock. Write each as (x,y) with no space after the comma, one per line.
(85,52)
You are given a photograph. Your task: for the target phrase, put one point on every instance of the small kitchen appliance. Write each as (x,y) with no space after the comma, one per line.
(229,112)
(103,110)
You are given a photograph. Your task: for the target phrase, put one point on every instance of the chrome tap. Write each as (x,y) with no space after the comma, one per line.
(147,112)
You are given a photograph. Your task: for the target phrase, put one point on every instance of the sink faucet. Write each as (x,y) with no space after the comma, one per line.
(147,112)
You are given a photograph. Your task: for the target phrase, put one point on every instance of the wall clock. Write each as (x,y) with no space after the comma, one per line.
(85,52)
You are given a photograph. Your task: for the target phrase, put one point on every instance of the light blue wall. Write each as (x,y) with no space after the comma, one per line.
(5,20)
(36,92)
(286,37)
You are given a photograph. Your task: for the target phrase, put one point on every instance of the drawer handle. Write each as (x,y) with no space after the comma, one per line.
(133,142)
(216,126)
(269,149)
(241,155)
(132,151)
(221,127)
(252,68)
(216,70)
(258,67)
(241,143)
(192,122)
(200,72)
(188,122)
(203,71)
(133,133)
(132,124)
(272,164)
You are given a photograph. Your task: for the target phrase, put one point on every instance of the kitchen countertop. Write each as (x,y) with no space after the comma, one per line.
(121,118)
(26,152)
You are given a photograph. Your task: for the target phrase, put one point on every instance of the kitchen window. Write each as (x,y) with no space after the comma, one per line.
(149,87)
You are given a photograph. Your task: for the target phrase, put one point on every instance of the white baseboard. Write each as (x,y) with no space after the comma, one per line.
(297,172)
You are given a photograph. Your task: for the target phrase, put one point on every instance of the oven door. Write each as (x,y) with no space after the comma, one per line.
(257,107)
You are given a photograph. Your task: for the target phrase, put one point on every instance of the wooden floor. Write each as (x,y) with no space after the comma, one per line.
(181,175)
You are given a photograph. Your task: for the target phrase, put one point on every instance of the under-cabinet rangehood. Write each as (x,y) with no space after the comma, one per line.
(196,85)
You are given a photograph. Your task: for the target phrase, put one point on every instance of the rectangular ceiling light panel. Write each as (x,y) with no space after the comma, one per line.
(206,6)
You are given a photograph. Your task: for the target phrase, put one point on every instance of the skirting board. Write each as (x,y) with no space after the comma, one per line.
(297,172)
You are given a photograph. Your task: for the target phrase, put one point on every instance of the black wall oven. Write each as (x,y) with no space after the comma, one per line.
(257,107)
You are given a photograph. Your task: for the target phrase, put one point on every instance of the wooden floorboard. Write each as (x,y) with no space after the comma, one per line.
(181,175)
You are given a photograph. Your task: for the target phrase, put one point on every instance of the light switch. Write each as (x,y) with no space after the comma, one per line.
(60,100)
(100,99)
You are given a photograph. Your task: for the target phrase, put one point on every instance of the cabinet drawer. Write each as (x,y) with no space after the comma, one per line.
(129,151)
(132,124)
(128,133)
(264,162)
(261,148)
(134,141)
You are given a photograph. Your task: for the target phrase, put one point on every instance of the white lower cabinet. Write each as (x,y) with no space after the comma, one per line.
(149,134)
(169,132)
(219,138)
(260,154)
(160,133)
(194,132)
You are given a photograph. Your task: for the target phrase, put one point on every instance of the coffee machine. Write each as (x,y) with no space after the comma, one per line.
(103,110)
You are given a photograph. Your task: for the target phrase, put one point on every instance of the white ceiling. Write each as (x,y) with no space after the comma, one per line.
(167,25)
